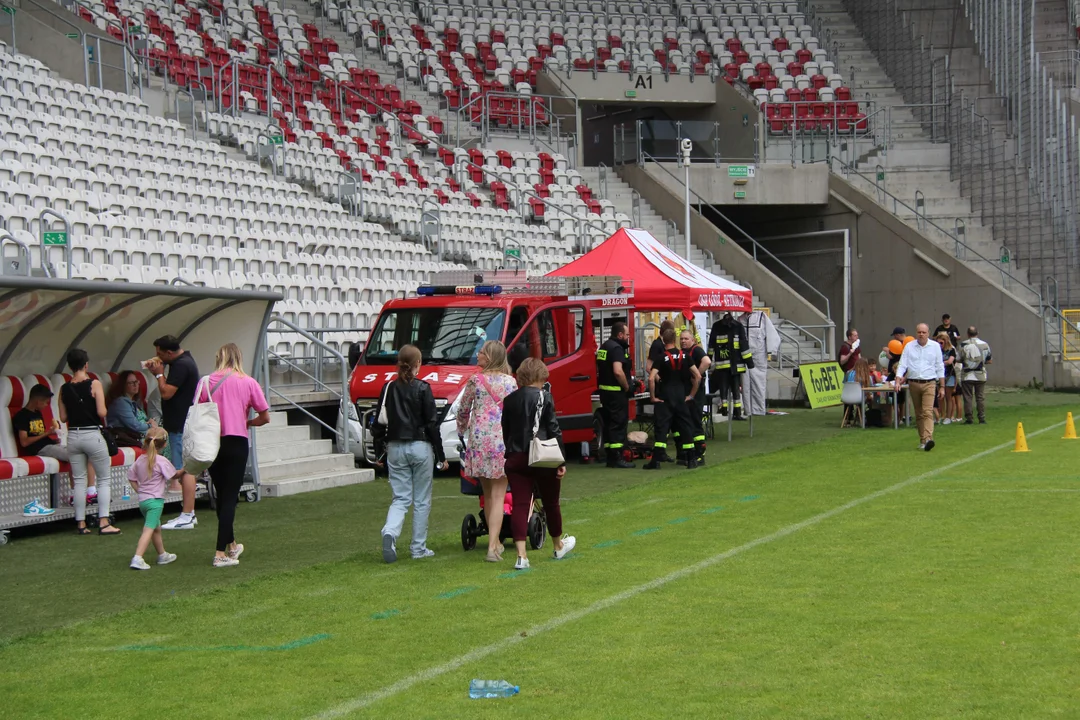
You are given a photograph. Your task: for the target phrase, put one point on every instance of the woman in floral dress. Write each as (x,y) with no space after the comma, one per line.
(479,421)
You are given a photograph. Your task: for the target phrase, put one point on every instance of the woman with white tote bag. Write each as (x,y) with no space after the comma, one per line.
(235,394)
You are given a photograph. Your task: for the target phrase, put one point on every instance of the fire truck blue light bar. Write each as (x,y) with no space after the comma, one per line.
(431,290)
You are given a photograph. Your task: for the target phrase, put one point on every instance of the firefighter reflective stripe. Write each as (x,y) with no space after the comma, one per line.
(611,388)
(660,445)
(688,446)
(613,446)
(699,438)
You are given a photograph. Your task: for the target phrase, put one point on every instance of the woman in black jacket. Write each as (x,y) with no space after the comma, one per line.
(413,445)
(518,419)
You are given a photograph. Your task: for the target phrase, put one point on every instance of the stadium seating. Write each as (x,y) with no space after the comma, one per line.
(335,114)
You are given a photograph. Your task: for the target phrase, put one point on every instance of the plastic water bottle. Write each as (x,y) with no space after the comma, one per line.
(492,689)
(127,492)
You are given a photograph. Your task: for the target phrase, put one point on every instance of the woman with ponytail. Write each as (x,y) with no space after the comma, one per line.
(414,445)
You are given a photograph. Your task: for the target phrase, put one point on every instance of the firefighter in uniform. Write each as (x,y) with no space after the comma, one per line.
(731,357)
(661,413)
(699,359)
(612,363)
(673,380)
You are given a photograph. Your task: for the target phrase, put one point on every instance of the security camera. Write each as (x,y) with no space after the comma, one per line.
(686,144)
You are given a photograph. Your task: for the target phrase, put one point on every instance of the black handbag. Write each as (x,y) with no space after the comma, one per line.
(125,437)
(110,441)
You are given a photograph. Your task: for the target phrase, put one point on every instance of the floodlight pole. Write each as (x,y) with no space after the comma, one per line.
(686,145)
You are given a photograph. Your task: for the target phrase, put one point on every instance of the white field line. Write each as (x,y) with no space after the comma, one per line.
(1015,490)
(477,654)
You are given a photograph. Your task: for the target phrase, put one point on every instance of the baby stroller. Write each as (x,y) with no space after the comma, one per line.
(473,527)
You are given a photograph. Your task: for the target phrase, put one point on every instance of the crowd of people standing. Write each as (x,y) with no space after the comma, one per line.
(945,376)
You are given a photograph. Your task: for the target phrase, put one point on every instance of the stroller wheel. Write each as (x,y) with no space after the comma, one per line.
(468,532)
(537,531)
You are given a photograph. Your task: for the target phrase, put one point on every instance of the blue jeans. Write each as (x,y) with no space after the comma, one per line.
(176,449)
(411,465)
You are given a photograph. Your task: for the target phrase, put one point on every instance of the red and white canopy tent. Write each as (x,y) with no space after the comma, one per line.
(663,281)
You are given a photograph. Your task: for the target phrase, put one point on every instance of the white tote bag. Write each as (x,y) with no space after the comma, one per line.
(202,430)
(544,453)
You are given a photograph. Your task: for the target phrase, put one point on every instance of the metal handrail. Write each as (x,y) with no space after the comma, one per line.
(125,42)
(356,197)
(967,248)
(779,351)
(754,243)
(23,250)
(343,395)
(49,212)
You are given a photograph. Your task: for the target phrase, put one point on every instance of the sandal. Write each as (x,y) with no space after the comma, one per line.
(84,530)
(102,528)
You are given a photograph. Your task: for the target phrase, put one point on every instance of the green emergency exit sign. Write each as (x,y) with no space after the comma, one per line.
(55,238)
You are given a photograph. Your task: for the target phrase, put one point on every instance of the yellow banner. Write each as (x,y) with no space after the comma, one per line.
(824,383)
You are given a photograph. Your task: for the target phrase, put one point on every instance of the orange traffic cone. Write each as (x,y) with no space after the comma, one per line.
(1021,441)
(1070,429)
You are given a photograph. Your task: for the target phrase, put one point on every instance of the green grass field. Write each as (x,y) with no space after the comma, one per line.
(807,573)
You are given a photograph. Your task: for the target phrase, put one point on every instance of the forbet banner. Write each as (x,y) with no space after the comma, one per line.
(824,383)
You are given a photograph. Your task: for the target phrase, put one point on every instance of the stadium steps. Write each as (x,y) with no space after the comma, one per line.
(290,462)
(913,162)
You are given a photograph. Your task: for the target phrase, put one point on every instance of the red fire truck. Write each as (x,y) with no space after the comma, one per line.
(556,319)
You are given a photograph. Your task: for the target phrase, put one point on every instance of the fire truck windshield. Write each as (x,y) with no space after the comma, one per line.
(445,336)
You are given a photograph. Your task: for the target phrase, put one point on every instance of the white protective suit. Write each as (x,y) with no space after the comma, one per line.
(763,340)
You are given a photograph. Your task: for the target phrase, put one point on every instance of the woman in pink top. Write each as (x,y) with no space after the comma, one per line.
(236,394)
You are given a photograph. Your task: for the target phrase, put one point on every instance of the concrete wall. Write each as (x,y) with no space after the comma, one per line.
(40,32)
(771,184)
(892,286)
(789,303)
(613,87)
(736,118)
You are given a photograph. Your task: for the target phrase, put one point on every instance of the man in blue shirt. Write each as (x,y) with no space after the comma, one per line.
(923,368)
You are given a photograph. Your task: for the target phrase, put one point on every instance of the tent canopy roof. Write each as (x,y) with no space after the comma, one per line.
(663,281)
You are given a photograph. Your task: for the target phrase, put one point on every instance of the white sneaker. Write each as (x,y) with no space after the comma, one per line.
(165,558)
(425,553)
(947,421)
(137,563)
(182,522)
(568,543)
(922,446)
(235,554)
(225,561)
(522,564)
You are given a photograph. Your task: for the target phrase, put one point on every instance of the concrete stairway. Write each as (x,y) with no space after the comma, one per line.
(619,192)
(916,164)
(290,462)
